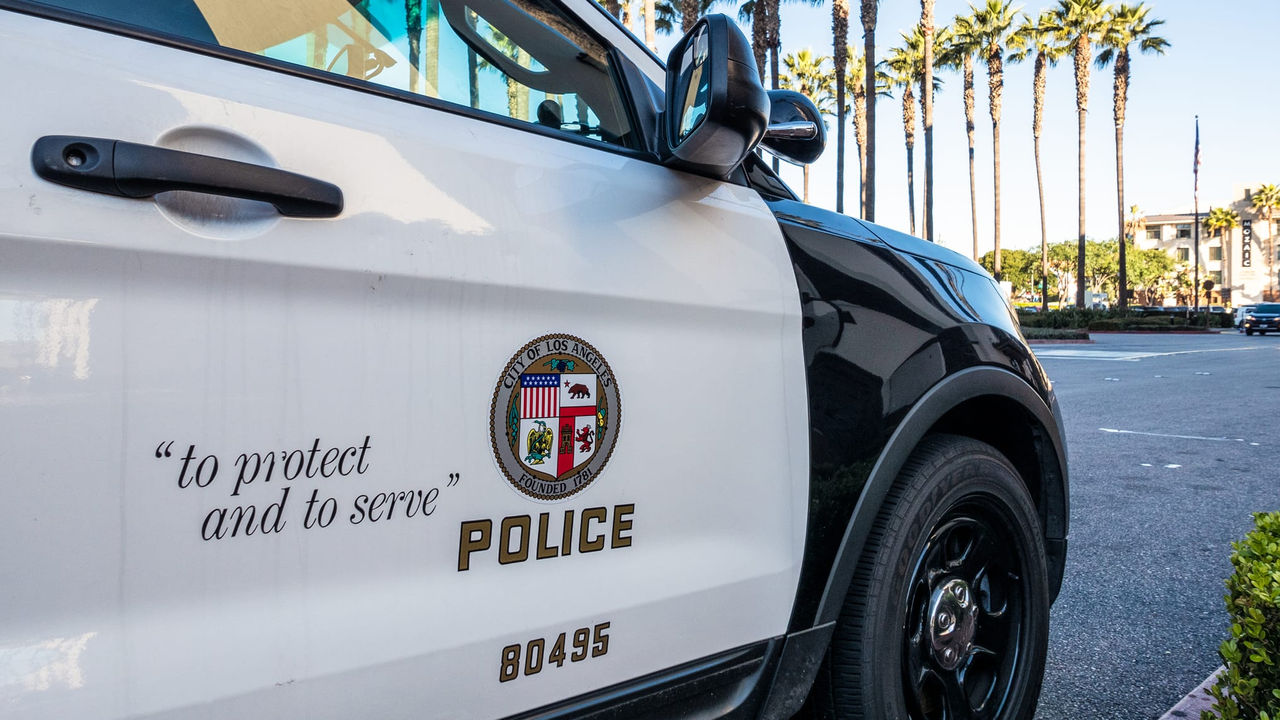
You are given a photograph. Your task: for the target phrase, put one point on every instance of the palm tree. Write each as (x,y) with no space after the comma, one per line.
(902,66)
(869,9)
(808,74)
(993,27)
(840,60)
(855,80)
(1222,220)
(906,63)
(1037,37)
(926,101)
(958,53)
(1080,24)
(1128,25)
(1265,202)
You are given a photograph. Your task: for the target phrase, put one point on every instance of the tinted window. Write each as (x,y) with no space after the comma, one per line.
(523,59)
(1270,309)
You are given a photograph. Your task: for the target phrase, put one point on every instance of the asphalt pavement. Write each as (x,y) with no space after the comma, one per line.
(1173,441)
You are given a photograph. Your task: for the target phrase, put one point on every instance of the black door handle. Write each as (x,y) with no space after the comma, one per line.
(115,167)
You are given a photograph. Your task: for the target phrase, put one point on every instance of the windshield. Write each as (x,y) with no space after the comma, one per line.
(1268,308)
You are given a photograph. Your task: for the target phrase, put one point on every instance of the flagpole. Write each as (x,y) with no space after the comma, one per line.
(1195,289)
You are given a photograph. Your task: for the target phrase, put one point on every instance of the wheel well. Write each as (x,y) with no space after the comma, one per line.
(1006,425)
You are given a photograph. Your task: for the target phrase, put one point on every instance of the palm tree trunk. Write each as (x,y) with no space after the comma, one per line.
(413,26)
(650,25)
(806,183)
(432,24)
(860,138)
(1082,58)
(840,39)
(909,131)
(775,44)
(473,77)
(969,127)
(926,26)
(688,14)
(1121,90)
(869,52)
(1037,121)
(995,88)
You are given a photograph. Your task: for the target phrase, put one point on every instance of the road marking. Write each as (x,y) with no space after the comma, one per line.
(1173,466)
(1167,435)
(1124,355)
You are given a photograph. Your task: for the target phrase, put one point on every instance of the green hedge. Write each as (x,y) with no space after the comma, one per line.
(1038,333)
(1122,320)
(1250,688)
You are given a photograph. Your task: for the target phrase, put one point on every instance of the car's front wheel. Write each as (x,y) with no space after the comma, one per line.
(948,615)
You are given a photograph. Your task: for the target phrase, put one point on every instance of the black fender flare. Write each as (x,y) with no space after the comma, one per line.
(928,410)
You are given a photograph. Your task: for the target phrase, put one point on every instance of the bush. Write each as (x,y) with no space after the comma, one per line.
(1036,333)
(1250,688)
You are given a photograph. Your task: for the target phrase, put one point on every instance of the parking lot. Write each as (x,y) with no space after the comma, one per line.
(1174,440)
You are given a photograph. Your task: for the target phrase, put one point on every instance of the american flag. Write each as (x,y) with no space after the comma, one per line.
(539,395)
(1196,168)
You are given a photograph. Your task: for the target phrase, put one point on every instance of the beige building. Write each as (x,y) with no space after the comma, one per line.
(1242,262)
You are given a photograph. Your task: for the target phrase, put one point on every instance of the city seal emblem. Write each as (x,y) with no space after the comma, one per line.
(555,417)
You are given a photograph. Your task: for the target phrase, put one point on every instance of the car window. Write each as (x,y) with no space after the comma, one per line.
(1270,309)
(521,59)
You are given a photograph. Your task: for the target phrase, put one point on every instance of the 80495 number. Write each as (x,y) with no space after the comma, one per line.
(538,653)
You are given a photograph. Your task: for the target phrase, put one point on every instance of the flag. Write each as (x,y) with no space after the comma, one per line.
(1196,168)
(540,395)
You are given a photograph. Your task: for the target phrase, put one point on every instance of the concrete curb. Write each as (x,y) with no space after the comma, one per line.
(1194,702)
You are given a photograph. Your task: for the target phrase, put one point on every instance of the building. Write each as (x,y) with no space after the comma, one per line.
(1241,262)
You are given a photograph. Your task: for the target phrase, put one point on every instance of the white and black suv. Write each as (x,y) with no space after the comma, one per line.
(457,359)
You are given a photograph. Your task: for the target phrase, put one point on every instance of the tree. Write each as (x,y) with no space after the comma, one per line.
(1021,270)
(1222,220)
(958,53)
(903,65)
(840,61)
(855,75)
(1128,25)
(926,110)
(1036,37)
(993,27)
(808,74)
(906,65)
(1265,202)
(1080,24)
(869,9)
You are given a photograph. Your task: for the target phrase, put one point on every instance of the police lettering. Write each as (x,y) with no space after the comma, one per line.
(521,537)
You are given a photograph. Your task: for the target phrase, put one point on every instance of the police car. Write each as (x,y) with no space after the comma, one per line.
(461,359)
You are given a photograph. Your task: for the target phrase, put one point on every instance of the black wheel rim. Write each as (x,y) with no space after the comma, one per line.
(965,615)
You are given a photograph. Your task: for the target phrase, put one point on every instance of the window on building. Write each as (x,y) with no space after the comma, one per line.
(1215,252)
(1216,277)
(1184,230)
(1153,233)
(1217,232)
(1184,254)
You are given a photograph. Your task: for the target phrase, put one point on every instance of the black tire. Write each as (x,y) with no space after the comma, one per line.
(959,522)
(1248,331)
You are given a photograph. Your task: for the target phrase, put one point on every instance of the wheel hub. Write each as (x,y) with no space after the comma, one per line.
(953,616)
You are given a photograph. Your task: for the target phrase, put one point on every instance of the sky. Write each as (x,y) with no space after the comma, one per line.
(1220,66)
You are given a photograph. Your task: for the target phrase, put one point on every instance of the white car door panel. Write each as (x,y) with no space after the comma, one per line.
(144,341)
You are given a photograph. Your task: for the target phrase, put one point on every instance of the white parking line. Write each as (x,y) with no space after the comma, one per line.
(1062,353)
(1167,435)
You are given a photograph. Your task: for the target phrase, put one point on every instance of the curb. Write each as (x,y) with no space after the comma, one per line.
(1194,702)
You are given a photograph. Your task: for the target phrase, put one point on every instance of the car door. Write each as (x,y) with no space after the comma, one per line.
(525,418)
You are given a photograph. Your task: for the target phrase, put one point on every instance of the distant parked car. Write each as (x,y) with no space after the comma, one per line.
(1262,319)
(1241,312)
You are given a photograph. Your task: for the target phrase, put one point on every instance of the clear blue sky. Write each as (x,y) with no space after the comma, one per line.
(1221,66)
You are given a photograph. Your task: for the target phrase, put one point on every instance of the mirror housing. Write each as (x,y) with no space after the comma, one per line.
(796,132)
(716,107)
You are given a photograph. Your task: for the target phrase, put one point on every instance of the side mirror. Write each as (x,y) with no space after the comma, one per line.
(716,107)
(796,131)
